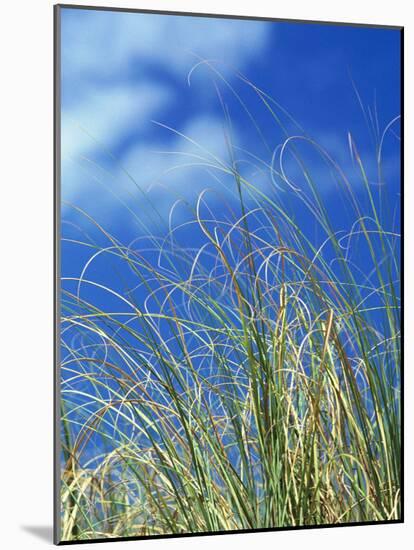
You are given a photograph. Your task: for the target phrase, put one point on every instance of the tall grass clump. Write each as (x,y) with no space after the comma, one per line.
(246,375)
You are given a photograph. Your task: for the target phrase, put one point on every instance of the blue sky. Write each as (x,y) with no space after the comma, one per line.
(122,72)
(143,122)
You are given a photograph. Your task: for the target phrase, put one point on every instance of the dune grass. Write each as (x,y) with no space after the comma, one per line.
(256,384)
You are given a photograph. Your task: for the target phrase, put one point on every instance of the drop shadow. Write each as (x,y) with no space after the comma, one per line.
(42,532)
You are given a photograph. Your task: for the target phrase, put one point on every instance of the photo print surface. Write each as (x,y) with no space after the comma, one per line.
(228,274)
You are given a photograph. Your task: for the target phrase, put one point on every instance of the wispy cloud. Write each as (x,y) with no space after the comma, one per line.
(120,71)
(105,45)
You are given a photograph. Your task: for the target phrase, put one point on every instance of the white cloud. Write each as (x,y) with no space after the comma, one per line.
(178,168)
(97,127)
(99,44)
(202,142)
(165,170)
(108,115)
(115,72)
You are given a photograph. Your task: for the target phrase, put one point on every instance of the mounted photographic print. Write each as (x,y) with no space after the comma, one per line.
(228,294)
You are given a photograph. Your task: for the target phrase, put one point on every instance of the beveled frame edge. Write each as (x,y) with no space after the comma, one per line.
(56,267)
